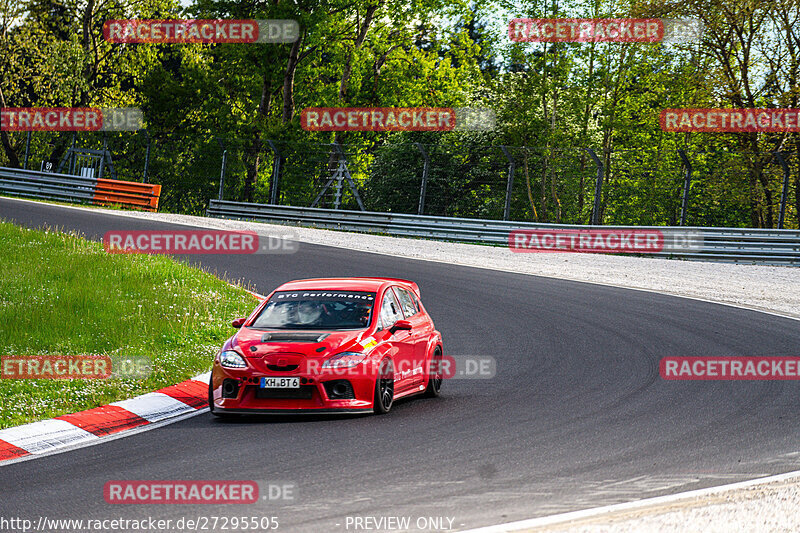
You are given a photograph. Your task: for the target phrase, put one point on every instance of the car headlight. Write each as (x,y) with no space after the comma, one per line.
(344,360)
(231,359)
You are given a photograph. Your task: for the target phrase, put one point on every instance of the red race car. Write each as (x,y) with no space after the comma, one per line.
(337,345)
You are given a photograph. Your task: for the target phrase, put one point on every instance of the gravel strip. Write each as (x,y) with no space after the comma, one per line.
(768,507)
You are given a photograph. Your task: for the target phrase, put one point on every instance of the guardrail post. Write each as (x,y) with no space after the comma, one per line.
(686,184)
(27,149)
(512,167)
(66,156)
(598,188)
(222,170)
(424,185)
(276,174)
(146,156)
(784,189)
(72,154)
(107,157)
(101,166)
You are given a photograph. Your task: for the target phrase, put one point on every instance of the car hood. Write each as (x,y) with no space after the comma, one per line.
(257,343)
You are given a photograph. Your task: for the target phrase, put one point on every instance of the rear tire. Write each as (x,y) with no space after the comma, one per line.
(384,388)
(435,380)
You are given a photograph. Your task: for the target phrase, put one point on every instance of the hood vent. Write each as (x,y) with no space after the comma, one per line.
(300,336)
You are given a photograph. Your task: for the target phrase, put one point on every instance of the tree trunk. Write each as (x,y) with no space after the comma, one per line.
(543,189)
(262,113)
(528,183)
(253,154)
(11,154)
(344,85)
(288,80)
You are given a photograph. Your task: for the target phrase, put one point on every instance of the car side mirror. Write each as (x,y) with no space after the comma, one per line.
(400,325)
(238,322)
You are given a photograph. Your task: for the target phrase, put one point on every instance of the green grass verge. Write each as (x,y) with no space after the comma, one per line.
(61,294)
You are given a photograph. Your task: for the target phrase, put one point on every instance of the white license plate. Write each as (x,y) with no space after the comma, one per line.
(280,383)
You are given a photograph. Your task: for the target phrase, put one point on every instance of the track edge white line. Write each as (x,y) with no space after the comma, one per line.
(563,518)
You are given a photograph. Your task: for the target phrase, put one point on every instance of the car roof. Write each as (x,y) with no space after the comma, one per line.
(346,284)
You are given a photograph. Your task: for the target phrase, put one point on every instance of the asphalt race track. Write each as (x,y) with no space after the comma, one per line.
(576,417)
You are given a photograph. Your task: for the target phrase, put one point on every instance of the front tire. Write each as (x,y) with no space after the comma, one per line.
(384,388)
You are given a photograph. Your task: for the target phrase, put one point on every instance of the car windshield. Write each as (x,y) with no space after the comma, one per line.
(317,310)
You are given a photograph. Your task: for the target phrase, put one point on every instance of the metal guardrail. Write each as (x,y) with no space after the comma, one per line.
(78,189)
(741,245)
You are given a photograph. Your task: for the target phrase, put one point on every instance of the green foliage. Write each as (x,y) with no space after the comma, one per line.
(552,101)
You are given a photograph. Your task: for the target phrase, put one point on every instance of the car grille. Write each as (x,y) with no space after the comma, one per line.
(286,368)
(293,337)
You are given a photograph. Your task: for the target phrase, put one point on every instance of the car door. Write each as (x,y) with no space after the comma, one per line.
(420,332)
(402,340)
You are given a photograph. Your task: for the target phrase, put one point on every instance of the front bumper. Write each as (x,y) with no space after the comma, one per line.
(313,397)
(293,411)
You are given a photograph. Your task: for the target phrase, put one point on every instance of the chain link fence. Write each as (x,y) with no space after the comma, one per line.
(539,184)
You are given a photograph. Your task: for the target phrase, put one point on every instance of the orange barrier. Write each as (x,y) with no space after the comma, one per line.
(129,193)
